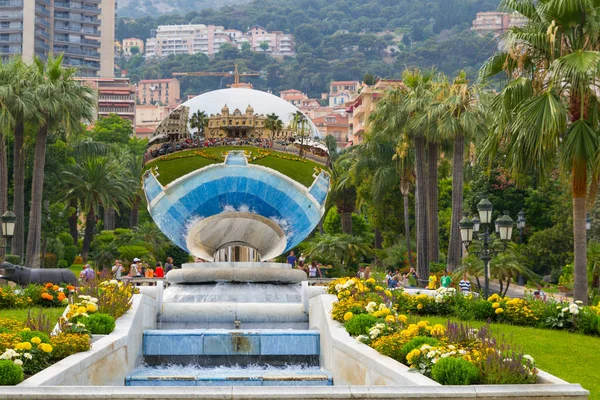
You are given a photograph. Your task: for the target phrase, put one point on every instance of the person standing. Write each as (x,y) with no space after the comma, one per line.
(465,284)
(117,270)
(158,271)
(134,269)
(367,272)
(168,265)
(361,272)
(446,280)
(291,259)
(314,271)
(432,282)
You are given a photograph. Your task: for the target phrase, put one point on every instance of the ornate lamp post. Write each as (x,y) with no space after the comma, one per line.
(504,226)
(520,226)
(8,220)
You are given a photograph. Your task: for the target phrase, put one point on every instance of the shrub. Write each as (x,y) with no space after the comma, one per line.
(78,260)
(26,336)
(65,344)
(416,343)
(99,324)
(13,259)
(360,324)
(63,264)
(10,373)
(66,238)
(50,260)
(454,371)
(9,298)
(390,345)
(70,254)
(481,310)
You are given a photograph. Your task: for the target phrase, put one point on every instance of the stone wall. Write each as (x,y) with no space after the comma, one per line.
(110,359)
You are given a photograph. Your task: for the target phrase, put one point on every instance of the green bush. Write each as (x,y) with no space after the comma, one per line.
(360,324)
(70,253)
(50,260)
(10,373)
(416,343)
(481,309)
(63,264)
(99,324)
(66,238)
(13,259)
(454,371)
(26,336)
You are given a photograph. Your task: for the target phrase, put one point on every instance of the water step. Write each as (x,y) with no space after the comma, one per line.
(229,347)
(218,312)
(223,292)
(177,375)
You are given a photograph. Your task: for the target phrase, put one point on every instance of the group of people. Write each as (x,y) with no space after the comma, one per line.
(139,269)
(394,279)
(312,270)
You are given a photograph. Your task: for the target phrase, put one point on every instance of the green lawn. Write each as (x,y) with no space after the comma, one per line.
(569,356)
(173,169)
(21,314)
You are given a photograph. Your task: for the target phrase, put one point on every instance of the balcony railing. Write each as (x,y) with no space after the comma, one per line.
(76,6)
(42,10)
(11,15)
(11,3)
(42,21)
(42,45)
(44,34)
(10,50)
(15,27)
(76,51)
(115,110)
(10,39)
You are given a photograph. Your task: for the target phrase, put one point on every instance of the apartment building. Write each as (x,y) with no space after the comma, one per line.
(115,96)
(362,106)
(38,27)
(496,22)
(340,92)
(293,96)
(132,42)
(335,124)
(207,39)
(163,91)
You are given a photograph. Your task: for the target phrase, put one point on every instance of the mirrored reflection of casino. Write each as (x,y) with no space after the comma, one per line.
(242,125)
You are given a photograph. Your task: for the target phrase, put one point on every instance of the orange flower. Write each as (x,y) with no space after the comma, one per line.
(71,288)
(55,287)
(49,285)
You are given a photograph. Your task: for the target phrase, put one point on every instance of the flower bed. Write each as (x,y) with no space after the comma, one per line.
(450,354)
(27,348)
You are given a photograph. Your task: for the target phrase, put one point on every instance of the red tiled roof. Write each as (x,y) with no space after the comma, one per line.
(143,129)
(290,91)
(157,80)
(343,83)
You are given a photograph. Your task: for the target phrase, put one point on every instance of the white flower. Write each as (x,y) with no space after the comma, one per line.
(371,307)
(28,356)
(451,347)
(565,309)
(446,355)
(463,352)
(374,333)
(338,287)
(431,354)
(425,347)
(528,358)
(94,300)
(578,302)
(381,307)
(362,338)
(18,362)
(439,298)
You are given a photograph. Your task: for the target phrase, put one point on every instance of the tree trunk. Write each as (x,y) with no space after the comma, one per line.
(18,241)
(421,211)
(455,244)
(73,221)
(378,239)
(90,223)
(3,185)
(109,219)
(433,241)
(407,228)
(321,230)
(346,222)
(34,235)
(134,216)
(580,287)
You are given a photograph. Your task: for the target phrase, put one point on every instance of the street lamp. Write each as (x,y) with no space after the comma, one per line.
(8,220)
(520,226)
(504,226)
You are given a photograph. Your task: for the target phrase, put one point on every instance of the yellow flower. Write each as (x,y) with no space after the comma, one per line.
(348,316)
(81,310)
(386,311)
(499,310)
(23,346)
(403,318)
(378,314)
(414,353)
(422,324)
(419,306)
(496,305)
(45,347)
(388,293)
(390,319)
(36,340)
(26,329)
(378,288)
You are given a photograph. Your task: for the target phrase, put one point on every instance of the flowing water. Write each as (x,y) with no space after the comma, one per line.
(233,292)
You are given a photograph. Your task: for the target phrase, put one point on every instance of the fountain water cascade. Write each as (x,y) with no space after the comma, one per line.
(234,322)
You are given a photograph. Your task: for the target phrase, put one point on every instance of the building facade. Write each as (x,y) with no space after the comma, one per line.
(335,125)
(115,96)
(208,39)
(175,127)
(132,42)
(293,96)
(163,91)
(245,125)
(362,106)
(496,22)
(38,27)
(340,92)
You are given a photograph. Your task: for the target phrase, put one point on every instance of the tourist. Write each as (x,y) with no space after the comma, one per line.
(117,269)
(542,293)
(302,266)
(414,274)
(87,274)
(291,259)
(432,282)
(465,284)
(397,276)
(148,272)
(392,283)
(446,280)
(405,280)
(361,272)
(134,269)
(158,270)
(314,271)
(168,265)
(301,258)
(368,272)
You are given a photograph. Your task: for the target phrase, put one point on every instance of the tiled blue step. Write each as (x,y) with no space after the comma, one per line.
(216,342)
(226,376)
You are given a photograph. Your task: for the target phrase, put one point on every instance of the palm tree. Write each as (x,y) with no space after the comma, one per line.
(274,124)
(343,192)
(96,181)
(61,100)
(18,99)
(300,125)
(152,237)
(198,120)
(550,105)
(460,117)
(135,168)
